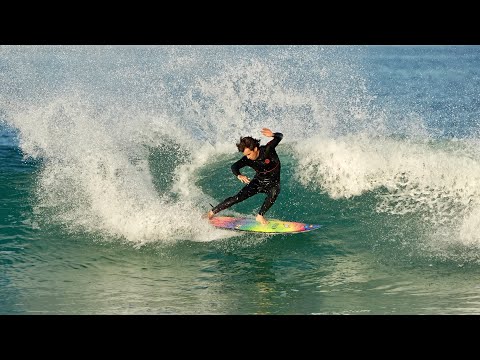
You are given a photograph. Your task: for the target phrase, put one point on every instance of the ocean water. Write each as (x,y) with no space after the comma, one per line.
(110,155)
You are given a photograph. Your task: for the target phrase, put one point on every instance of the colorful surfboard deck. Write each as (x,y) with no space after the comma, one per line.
(249,224)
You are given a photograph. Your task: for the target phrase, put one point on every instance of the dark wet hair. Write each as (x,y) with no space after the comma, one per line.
(247,142)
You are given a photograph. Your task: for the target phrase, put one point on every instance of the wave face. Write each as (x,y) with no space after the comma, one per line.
(123,133)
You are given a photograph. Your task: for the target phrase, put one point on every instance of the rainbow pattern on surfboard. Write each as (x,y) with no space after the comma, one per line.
(250,224)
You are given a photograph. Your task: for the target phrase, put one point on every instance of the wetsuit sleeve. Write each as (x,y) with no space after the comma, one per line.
(277,137)
(238,165)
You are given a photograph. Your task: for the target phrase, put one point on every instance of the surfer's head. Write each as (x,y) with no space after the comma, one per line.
(249,147)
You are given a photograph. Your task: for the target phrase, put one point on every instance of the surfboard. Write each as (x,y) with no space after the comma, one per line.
(274,226)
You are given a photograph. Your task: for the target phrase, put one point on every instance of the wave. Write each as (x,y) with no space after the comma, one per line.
(436,180)
(128,138)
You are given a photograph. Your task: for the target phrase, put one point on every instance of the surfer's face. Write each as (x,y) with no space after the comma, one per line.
(251,154)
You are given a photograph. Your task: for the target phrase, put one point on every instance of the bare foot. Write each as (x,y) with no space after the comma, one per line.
(261,219)
(210,214)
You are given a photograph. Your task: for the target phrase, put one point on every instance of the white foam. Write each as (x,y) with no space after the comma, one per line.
(438,181)
(97,179)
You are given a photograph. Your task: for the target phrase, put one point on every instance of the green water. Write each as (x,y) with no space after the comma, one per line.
(358,263)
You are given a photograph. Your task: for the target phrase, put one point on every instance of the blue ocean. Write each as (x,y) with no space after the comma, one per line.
(110,157)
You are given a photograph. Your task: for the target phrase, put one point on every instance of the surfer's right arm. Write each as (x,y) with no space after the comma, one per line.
(236,170)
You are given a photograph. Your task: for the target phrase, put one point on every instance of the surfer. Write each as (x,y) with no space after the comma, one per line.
(264,160)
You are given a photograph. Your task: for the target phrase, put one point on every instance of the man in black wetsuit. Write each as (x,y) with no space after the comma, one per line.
(264,160)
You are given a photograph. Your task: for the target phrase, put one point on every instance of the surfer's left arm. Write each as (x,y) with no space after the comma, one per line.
(277,137)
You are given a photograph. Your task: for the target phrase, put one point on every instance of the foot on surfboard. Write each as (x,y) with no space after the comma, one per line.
(261,220)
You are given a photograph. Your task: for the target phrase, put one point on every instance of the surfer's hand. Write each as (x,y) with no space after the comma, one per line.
(243,179)
(267,132)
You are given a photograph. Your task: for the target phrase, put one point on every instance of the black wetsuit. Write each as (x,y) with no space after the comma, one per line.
(266,180)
